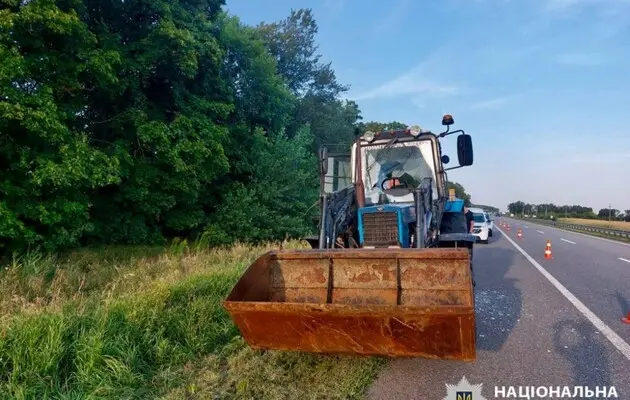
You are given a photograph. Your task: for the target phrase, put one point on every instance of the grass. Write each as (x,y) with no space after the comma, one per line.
(620,225)
(133,322)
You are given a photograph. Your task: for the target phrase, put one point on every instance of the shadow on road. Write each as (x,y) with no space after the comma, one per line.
(498,301)
(579,343)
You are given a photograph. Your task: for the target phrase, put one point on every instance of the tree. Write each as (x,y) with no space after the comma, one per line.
(292,43)
(184,122)
(605,213)
(375,126)
(50,64)
(460,192)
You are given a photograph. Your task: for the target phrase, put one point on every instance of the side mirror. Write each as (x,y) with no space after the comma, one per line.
(323,160)
(464,150)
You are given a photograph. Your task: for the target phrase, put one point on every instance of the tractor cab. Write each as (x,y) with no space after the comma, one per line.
(394,164)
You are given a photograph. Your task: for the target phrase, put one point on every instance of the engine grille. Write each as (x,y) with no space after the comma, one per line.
(380,229)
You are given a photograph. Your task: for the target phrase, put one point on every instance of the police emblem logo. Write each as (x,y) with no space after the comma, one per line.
(464,390)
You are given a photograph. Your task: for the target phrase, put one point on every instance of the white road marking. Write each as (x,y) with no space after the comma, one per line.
(541,232)
(623,259)
(568,241)
(615,339)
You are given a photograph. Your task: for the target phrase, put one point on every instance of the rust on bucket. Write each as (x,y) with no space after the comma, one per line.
(392,302)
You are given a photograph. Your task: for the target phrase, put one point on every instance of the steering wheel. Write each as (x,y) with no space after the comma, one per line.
(403,184)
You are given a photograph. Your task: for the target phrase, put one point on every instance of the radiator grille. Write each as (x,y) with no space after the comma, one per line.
(380,229)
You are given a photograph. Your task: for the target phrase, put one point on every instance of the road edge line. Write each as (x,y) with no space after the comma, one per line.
(601,326)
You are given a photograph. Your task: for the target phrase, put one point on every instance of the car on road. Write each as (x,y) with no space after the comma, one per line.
(490,224)
(481,228)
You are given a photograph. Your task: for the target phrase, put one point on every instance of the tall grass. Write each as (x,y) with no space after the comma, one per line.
(132,322)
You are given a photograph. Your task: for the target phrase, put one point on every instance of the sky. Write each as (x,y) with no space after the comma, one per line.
(542,86)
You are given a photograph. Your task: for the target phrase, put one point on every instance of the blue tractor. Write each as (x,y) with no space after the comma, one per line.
(390,272)
(391,192)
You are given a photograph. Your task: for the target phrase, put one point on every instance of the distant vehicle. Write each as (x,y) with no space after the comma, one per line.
(481,228)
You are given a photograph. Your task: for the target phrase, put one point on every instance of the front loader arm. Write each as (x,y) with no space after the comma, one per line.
(337,211)
(423,204)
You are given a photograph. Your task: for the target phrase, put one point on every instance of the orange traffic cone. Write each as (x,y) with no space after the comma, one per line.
(508,227)
(548,250)
(520,234)
(627,319)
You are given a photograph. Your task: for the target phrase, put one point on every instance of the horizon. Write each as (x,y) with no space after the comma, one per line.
(532,82)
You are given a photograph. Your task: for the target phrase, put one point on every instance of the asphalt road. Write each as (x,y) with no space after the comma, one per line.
(540,322)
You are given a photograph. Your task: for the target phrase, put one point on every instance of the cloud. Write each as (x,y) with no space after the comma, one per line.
(491,104)
(405,87)
(409,83)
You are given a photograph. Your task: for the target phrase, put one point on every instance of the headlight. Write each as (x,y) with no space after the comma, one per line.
(415,130)
(369,136)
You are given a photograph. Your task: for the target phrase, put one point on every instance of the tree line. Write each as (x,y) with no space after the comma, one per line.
(136,122)
(133,122)
(567,211)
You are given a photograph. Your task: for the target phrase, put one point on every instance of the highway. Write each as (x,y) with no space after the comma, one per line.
(540,322)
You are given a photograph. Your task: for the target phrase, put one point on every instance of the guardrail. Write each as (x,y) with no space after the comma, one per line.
(616,233)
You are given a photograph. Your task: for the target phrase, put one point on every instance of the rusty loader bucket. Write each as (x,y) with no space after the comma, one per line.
(389,302)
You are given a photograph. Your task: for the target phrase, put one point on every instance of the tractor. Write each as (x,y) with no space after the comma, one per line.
(390,272)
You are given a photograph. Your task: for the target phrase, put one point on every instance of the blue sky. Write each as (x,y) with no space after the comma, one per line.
(543,86)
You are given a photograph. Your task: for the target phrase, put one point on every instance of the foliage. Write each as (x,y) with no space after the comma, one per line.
(375,126)
(292,43)
(136,122)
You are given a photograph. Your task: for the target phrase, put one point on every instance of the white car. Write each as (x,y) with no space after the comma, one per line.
(481,228)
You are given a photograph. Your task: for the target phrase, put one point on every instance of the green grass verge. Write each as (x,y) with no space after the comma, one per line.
(135,323)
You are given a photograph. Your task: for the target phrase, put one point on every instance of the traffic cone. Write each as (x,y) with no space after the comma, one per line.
(520,234)
(508,227)
(627,319)
(548,250)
